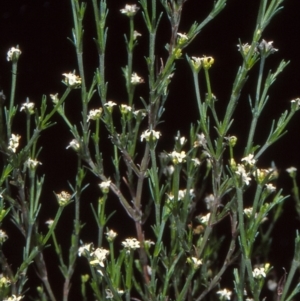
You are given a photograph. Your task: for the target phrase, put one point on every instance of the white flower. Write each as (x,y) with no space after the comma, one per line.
(54,98)
(74,144)
(259,273)
(241,171)
(32,163)
(104,186)
(266,48)
(204,219)
(209,200)
(197,63)
(109,105)
(94,114)
(131,244)
(85,249)
(63,198)
(168,170)
(109,294)
(135,79)
(177,157)
(98,257)
(49,222)
(249,159)
(182,38)
(14,142)
(125,109)
(196,162)
(72,80)
(248,211)
(225,294)
(130,10)
(136,34)
(291,170)
(195,262)
(13,54)
(270,187)
(27,107)
(111,235)
(150,135)
(201,140)
(3,237)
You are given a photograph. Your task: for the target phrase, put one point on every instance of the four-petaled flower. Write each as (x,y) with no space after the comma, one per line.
(224,294)
(150,135)
(72,80)
(130,10)
(109,105)
(259,273)
(125,109)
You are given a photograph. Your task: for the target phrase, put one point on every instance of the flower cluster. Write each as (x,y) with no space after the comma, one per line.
(13,142)
(104,186)
(131,244)
(63,198)
(177,157)
(130,10)
(150,135)
(27,107)
(94,114)
(72,80)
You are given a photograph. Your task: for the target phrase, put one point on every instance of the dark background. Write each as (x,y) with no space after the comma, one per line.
(41,29)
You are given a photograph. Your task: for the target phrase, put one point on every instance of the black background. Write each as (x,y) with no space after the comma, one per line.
(41,29)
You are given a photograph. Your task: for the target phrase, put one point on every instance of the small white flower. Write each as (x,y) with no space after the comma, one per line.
(72,80)
(13,54)
(197,63)
(32,163)
(125,109)
(54,98)
(168,170)
(148,243)
(291,170)
(14,142)
(249,159)
(259,273)
(195,262)
(136,35)
(248,211)
(266,48)
(135,79)
(98,257)
(177,157)
(270,187)
(27,107)
(131,244)
(200,141)
(209,200)
(74,144)
(196,162)
(182,38)
(94,114)
(63,198)
(225,294)
(111,235)
(104,186)
(150,135)
(242,172)
(109,105)
(85,249)
(49,222)
(3,237)
(204,219)
(130,10)
(109,294)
